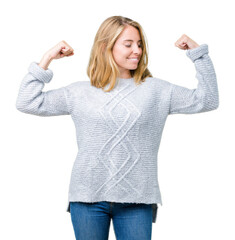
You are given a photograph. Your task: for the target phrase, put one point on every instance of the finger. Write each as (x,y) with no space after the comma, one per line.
(71,54)
(67,51)
(67,46)
(178,45)
(64,49)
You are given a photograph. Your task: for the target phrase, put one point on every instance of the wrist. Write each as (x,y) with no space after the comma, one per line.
(45,61)
(194,46)
(198,52)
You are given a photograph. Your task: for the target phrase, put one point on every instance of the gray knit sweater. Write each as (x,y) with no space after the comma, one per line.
(119,132)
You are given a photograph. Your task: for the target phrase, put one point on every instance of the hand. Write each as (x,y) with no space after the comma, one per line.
(62,49)
(185,43)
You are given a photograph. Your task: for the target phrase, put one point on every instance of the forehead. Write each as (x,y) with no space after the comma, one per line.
(130,33)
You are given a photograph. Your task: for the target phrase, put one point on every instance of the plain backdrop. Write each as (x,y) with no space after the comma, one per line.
(196,156)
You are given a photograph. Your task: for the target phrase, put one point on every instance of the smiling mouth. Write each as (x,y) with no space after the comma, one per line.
(133,59)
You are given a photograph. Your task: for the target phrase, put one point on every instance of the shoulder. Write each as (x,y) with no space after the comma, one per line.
(158,82)
(158,86)
(77,86)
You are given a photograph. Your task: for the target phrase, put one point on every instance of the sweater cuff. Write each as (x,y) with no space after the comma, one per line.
(197,52)
(40,73)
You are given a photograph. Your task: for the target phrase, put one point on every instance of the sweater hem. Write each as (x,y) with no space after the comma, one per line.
(153,203)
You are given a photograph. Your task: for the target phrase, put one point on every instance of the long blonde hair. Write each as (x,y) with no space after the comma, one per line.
(102,68)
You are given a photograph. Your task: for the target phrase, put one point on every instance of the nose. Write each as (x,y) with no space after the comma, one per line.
(136,49)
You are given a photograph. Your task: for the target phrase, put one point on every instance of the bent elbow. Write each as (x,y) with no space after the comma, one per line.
(212,104)
(215,102)
(216,105)
(20,107)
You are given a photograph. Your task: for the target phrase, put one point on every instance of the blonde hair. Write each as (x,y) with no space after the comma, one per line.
(102,68)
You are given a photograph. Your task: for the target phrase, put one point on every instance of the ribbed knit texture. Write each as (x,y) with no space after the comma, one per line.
(119,132)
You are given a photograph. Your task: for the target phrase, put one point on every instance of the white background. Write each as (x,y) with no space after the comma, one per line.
(196,155)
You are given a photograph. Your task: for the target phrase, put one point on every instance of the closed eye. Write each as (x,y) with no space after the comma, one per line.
(140,46)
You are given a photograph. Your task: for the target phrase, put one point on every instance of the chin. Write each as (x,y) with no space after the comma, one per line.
(133,68)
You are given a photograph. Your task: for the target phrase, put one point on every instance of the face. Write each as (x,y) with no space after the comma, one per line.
(127,51)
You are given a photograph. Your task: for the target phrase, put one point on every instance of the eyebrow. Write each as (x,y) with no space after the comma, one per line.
(129,40)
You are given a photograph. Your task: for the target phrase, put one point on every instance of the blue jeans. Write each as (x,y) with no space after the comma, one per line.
(131,221)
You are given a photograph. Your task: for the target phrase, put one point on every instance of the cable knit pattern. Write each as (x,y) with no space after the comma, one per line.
(119,132)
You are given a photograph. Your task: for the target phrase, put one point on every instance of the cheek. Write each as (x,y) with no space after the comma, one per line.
(120,54)
(121,51)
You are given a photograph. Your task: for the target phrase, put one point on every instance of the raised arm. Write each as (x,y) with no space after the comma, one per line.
(31,99)
(205,97)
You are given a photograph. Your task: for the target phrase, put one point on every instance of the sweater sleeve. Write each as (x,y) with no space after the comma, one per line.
(32,100)
(205,97)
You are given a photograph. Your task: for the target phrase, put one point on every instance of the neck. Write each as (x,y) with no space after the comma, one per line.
(125,74)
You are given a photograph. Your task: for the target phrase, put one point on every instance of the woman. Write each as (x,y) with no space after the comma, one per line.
(119,117)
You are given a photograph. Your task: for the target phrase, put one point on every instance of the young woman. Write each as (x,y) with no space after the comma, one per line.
(119,117)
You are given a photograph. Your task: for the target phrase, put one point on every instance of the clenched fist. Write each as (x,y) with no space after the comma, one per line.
(185,43)
(60,50)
